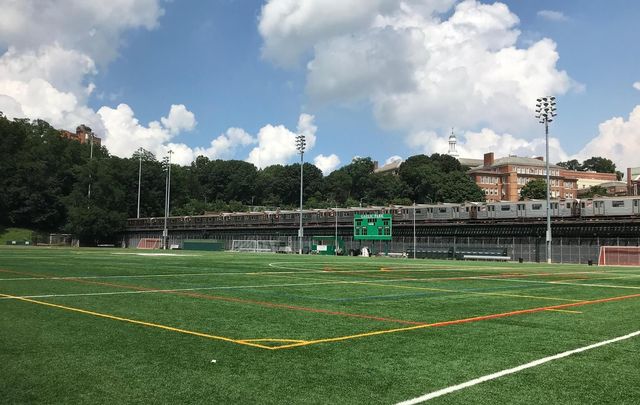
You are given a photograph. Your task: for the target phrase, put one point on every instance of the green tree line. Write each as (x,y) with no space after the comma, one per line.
(46,179)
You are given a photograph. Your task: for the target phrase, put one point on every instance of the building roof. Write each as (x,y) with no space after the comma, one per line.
(470,162)
(395,165)
(613,184)
(516,160)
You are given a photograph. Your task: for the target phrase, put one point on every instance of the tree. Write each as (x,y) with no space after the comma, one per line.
(599,164)
(534,190)
(571,165)
(595,191)
(457,187)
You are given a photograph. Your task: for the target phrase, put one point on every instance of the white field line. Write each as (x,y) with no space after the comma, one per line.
(234,287)
(517,280)
(503,373)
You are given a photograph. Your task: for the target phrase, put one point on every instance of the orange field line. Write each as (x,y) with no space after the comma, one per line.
(229,299)
(459,321)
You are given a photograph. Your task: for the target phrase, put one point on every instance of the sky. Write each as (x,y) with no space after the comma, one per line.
(239,79)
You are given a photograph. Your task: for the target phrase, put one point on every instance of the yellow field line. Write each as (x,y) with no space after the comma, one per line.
(149,324)
(564,310)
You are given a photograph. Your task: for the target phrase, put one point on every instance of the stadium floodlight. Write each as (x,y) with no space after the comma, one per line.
(167,195)
(545,112)
(140,151)
(301,143)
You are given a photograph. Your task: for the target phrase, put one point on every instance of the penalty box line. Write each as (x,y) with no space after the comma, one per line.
(137,322)
(514,370)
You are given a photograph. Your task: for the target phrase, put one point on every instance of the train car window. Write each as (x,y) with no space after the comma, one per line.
(536,206)
(636,203)
(506,208)
(568,205)
(617,204)
(418,211)
(442,210)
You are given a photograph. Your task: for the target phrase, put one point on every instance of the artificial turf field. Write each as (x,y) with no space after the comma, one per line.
(114,326)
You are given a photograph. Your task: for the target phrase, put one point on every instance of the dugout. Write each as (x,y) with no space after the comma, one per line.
(203,244)
(326,245)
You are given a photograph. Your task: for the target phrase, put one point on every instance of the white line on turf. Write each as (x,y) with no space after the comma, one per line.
(513,370)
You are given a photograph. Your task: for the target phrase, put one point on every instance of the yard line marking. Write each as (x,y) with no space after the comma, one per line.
(514,370)
(461,321)
(149,324)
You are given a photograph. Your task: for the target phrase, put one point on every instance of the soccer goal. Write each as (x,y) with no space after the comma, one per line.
(150,243)
(60,239)
(258,246)
(619,256)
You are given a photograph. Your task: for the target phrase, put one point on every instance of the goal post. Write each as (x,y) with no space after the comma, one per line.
(619,256)
(259,246)
(150,243)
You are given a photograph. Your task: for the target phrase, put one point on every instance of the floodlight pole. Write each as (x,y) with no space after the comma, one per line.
(545,111)
(167,196)
(90,159)
(414,229)
(140,150)
(335,248)
(300,146)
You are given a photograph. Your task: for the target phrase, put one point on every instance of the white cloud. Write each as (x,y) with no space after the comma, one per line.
(476,144)
(53,49)
(420,69)
(179,119)
(224,146)
(618,140)
(124,134)
(326,164)
(90,27)
(276,144)
(552,15)
(636,85)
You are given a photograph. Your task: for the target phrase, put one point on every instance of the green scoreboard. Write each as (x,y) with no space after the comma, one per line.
(372,227)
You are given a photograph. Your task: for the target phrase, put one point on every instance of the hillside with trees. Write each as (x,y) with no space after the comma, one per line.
(46,180)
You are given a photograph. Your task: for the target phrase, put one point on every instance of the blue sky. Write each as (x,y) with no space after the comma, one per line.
(269,70)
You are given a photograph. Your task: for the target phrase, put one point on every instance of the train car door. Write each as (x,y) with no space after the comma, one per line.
(521,211)
(598,208)
(636,206)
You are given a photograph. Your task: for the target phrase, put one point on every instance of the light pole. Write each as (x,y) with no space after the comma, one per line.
(545,111)
(90,159)
(301,143)
(336,218)
(414,229)
(140,150)
(167,196)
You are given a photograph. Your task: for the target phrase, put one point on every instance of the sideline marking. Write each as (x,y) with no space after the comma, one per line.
(513,370)
(153,325)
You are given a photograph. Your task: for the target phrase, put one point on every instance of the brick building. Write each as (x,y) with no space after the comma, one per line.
(502,179)
(633,180)
(83,135)
(586,180)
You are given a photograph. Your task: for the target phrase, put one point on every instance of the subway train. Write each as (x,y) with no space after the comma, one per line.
(592,208)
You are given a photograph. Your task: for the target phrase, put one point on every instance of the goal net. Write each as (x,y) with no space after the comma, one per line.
(263,246)
(60,239)
(150,243)
(619,256)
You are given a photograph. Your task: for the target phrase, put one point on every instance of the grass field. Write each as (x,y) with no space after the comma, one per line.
(114,326)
